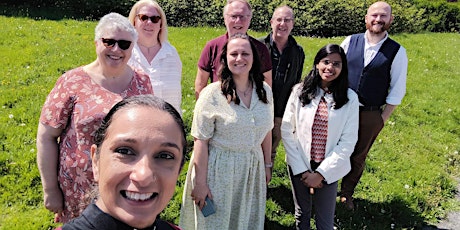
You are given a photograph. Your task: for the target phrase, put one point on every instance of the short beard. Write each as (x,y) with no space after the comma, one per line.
(384,28)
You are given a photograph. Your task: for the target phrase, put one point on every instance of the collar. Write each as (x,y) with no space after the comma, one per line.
(327,96)
(291,41)
(379,44)
(101,220)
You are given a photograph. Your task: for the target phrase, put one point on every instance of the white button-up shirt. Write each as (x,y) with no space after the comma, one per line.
(165,72)
(398,70)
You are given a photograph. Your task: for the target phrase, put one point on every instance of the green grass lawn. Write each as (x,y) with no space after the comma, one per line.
(409,181)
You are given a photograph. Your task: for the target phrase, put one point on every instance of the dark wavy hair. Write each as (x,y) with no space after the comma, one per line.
(255,76)
(338,87)
(146,100)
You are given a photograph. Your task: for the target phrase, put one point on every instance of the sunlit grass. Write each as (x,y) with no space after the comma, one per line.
(409,179)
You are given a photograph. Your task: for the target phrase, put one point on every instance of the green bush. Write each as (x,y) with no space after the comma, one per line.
(318,18)
(440,16)
(409,181)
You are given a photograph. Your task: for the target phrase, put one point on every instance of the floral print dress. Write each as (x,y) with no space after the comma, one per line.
(77,105)
(236,168)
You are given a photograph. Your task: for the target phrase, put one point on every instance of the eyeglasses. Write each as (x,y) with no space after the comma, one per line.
(109,43)
(153,19)
(235,17)
(335,64)
(286,20)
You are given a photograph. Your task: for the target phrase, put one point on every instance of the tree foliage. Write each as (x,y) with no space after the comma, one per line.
(321,18)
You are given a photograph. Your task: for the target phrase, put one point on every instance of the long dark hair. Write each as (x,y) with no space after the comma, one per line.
(338,87)
(255,76)
(146,100)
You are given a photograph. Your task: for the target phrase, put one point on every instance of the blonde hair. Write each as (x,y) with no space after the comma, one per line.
(163,34)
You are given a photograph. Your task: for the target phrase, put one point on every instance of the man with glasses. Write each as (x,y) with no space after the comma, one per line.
(237,18)
(287,60)
(377,69)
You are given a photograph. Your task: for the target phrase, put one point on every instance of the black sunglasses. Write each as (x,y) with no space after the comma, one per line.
(153,19)
(109,43)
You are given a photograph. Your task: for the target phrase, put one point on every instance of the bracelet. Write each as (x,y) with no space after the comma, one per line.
(269,165)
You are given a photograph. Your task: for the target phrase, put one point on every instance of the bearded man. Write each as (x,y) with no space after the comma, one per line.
(377,69)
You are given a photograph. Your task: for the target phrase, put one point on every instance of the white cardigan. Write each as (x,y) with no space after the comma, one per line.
(342,133)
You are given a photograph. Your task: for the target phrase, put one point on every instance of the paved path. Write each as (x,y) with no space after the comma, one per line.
(453,219)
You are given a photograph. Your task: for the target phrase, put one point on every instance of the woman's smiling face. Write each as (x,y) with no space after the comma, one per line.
(239,56)
(138,164)
(114,57)
(148,31)
(329,68)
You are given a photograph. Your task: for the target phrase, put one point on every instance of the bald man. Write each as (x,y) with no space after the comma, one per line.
(287,60)
(377,70)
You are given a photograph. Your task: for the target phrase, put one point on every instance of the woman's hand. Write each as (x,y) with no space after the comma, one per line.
(268,175)
(54,200)
(48,162)
(312,180)
(199,194)
(200,161)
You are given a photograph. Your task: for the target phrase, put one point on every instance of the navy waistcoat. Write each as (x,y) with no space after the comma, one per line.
(372,82)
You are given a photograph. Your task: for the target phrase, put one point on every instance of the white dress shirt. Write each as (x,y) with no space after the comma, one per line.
(398,70)
(165,72)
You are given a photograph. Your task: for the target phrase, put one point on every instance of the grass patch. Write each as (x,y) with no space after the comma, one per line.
(409,180)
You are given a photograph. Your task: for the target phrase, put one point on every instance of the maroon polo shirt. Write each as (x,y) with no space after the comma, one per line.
(210,56)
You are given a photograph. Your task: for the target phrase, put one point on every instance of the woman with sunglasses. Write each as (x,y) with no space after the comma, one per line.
(73,111)
(153,54)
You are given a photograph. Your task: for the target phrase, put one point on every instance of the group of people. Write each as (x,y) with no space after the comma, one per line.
(110,153)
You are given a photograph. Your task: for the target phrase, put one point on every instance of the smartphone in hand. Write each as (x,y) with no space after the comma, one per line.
(208,208)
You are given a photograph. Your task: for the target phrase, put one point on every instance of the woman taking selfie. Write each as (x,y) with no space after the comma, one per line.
(138,153)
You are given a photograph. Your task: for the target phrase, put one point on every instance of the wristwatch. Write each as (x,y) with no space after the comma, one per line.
(269,165)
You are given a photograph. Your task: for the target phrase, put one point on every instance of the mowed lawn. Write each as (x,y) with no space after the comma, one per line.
(411,172)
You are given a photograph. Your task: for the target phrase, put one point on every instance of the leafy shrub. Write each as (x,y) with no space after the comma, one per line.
(440,16)
(321,18)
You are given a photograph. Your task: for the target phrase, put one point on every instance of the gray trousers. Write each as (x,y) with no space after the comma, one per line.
(323,202)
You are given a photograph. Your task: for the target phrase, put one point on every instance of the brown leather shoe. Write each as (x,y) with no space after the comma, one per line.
(347,202)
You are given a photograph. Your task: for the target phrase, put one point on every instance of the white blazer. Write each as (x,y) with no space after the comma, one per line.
(342,134)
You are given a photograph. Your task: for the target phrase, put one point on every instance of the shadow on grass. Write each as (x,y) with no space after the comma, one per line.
(283,197)
(394,214)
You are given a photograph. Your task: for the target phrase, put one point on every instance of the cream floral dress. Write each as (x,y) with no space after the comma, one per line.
(236,169)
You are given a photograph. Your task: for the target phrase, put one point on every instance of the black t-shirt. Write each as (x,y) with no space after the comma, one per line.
(94,218)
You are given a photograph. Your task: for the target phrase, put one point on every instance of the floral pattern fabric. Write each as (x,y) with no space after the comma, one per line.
(77,105)
(236,169)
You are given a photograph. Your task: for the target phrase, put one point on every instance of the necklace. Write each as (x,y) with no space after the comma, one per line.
(245,91)
(148,47)
(326,90)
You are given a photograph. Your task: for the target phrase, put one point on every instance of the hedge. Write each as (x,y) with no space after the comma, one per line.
(323,18)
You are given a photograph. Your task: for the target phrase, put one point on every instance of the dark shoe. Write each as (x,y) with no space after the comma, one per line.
(347,202)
